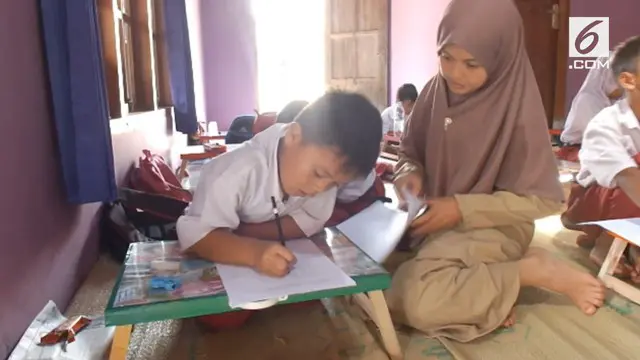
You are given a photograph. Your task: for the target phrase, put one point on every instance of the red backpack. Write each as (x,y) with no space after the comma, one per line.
(154,176)
(263,121)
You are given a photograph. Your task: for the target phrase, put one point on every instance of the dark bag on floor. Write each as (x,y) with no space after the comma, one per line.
(137,216)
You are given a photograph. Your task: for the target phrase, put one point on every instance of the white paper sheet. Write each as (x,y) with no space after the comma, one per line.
(313,271)
(91,343)
(414,206)
(628,229)
(378,229)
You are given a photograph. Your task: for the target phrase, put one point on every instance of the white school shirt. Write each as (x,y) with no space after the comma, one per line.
(611,140)
(353,190)
(237,187)
(588,102)
(390,115)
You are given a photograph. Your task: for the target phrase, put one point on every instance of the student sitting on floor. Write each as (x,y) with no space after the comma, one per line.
(608,184)
(394,116)
(333,141)
(352,197)
(599,90)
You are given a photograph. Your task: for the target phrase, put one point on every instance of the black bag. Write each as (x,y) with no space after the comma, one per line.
(137,216)
(240,130)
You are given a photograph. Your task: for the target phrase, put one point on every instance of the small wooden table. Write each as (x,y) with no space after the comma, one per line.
(606,273)
(194,153)
(131,301)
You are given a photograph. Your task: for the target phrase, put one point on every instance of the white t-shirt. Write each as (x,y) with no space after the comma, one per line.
(390,115)
(237,187)
(611,140)
(353,190)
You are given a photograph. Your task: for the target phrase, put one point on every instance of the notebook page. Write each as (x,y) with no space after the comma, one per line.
(376,230)
(313,271)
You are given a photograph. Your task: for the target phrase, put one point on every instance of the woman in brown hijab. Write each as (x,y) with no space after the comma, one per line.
(476,146)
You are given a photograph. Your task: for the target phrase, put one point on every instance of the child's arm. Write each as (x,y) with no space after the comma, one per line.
(629,181)
(303,222)
(223,246)
(205,229)
(269,230)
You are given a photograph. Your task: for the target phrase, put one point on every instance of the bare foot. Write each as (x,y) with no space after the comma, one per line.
(538,268)
(511,319)
(599,253)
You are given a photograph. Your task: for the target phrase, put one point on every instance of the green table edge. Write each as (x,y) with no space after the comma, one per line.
(216,304)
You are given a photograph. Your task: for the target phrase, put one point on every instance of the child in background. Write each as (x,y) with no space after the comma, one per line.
(331,142)
(352,197)
(599,90)
(608,184)
(393,117)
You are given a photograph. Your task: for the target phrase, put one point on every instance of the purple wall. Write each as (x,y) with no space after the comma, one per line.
(414,25)
(623,23)
(48,246)
(229,59)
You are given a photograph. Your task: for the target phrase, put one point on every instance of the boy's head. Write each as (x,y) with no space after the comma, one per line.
(407,95)
(290,111)
(626,64)
(332,141)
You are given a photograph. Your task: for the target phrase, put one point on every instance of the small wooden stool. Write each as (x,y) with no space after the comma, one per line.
(608,267)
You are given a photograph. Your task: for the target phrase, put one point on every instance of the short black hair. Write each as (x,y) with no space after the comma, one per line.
(347,122)
(626,56)
(407,92)
(290,111)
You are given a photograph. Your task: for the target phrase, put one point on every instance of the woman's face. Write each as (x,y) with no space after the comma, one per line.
(462,72)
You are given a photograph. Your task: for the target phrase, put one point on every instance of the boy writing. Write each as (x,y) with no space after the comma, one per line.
(353,196)
(331,142)
(608,183)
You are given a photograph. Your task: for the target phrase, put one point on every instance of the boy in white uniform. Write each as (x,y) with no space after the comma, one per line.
(599,90)
(333,141)
(348,192)
(608,184)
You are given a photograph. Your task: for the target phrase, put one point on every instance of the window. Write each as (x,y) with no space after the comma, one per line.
(134,53)
(291,64)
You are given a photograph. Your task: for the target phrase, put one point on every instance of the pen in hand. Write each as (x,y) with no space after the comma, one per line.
(276,213)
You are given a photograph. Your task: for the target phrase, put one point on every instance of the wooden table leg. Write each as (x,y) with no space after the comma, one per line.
(120,344)
(182,171)
(607,270)
(613,257)
(374,304)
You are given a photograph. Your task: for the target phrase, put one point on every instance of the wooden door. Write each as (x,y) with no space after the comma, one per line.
(357,47)
(541,24)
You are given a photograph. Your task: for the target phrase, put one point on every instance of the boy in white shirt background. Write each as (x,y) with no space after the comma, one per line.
(394,116)
(608,183)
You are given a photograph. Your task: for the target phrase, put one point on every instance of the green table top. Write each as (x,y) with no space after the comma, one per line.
(202,292)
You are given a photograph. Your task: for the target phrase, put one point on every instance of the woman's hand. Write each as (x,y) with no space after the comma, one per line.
(410,181)
(442,214)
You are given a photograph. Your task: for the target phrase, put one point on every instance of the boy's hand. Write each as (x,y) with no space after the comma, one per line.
(273,259)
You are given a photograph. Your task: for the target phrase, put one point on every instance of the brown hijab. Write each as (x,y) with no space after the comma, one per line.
(495,138)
